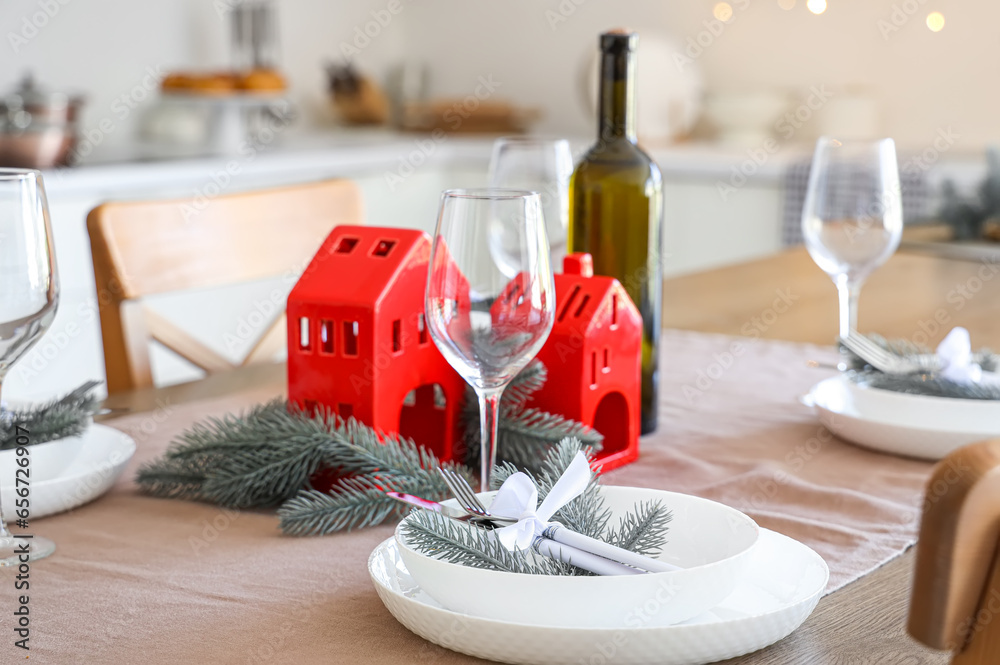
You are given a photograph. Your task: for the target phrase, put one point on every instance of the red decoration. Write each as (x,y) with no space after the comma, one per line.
(593,357)
(358,345)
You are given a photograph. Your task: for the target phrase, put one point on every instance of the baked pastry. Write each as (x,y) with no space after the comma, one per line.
(262,80)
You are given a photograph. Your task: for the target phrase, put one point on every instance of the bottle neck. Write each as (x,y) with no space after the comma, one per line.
(617,96)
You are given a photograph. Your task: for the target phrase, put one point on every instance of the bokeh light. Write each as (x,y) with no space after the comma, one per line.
(935,21)
(723,11)
(816,6)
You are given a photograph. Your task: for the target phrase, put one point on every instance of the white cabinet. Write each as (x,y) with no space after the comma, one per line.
(702,231)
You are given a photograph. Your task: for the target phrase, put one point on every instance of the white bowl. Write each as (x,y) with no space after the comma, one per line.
(900,423)
(45,460)
(712,542)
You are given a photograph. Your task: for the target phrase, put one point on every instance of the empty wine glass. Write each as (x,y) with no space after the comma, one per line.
(852,219)
(489,324)
(29,293)
(541,165)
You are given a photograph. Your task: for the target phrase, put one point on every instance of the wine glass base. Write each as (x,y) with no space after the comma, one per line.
(12,550)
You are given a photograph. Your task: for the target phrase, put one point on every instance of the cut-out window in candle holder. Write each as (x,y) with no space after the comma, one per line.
(305,340)
(351,329)
(326,336)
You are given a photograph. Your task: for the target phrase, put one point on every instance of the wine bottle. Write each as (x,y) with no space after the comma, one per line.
(616,204)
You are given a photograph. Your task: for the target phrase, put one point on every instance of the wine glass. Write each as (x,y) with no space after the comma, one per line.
(852,219)
(487,323)
(29,293)
(541,165)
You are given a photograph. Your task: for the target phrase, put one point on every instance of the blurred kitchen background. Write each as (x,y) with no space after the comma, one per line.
(154,99)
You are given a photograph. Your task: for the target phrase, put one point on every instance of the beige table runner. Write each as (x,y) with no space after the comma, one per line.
(142,580)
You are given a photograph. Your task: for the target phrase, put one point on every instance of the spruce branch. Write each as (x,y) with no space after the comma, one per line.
(353,504)
(259,458)
(66,416)
(524,435)
(469,545)
(528,381)
(643,530)
(928,384)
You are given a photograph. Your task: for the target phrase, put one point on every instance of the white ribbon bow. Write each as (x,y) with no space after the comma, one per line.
(517,499)
(955,354)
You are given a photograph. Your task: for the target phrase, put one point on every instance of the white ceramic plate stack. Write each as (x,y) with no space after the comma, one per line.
(742,589)
(900,423)
(69,472)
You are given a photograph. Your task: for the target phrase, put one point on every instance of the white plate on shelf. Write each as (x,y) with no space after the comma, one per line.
(69,472)
(783,583)
(899,423)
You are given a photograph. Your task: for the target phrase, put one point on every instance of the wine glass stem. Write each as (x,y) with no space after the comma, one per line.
(848,292)
(4,533)
(489,412)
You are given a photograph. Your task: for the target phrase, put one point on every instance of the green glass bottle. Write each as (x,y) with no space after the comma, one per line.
(616,205)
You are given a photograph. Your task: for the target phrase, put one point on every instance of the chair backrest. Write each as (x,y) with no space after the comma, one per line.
(143,248)
(956,580)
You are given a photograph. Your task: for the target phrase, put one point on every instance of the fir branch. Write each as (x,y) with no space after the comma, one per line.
(60,418)
(263,476)
(259,458)
(928,384)
(468,545)
(354,503)
(586,513)
(523,435)
(527,382)
(643,530)
(173,479)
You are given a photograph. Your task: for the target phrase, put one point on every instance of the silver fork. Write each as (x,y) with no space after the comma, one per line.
(467,499)
(583,546)
(885,360)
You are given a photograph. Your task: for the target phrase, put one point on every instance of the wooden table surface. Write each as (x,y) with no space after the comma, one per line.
(785,297)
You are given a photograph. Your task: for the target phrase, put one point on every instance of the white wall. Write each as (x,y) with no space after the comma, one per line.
(104,47)
(924,80)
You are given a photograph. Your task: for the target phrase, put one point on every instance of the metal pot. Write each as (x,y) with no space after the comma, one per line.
(37,128)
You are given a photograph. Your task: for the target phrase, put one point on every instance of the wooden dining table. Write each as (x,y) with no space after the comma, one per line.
(914,296)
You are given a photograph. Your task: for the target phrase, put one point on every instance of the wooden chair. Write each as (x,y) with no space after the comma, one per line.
(143,248)
(955,603)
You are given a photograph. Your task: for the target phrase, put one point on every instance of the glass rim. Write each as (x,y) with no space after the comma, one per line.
(833,141)
(489,193)
(19,174)
(531,139)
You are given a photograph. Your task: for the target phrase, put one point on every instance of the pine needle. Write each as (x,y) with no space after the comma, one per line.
(66,416)
(468,545)
(643,530)
(928,384)
(355,503)
(524,435)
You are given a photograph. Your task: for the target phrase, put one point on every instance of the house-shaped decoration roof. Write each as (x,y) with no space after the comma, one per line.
(357,265)
(582,299)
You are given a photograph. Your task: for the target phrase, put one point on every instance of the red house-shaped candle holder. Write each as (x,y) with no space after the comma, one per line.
(593,357)
(358,343)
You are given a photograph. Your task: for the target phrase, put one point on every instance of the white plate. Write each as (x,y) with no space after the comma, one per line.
(710,541)
(899,423)
(783,583)
(69,472)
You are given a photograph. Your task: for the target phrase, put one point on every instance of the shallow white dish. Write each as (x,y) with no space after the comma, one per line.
(710,541)
(782,584)
(902,424)
(67,473)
